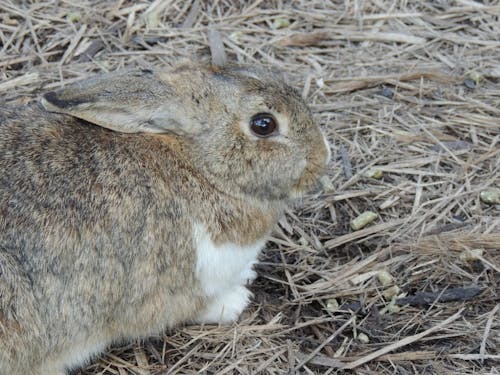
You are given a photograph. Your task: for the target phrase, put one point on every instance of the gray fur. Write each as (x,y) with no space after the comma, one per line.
(96,225)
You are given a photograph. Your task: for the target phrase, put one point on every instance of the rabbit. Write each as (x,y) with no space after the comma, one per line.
(139,200)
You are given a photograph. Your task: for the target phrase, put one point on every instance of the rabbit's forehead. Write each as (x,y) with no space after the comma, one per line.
(276,96)
(285,108)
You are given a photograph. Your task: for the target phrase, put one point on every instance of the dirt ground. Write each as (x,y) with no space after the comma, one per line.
(409,96)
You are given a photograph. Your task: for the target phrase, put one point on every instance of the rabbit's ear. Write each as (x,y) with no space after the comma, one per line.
(128,102)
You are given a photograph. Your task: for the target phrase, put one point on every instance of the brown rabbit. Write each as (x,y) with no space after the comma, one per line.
(136,201)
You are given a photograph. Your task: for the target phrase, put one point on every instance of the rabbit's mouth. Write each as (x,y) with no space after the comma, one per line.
(308,181)
(315,167)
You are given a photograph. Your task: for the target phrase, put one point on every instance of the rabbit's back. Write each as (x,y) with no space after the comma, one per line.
(77,202)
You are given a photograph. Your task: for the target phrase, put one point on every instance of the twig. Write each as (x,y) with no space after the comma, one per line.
(335,242)
(487,329)
(406,341)
(346,162)
(475,357)
(448,295)
(191,17)
(216,47)
(324,343)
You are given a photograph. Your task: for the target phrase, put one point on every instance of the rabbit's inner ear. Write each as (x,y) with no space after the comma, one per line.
(124,117)
(108,115)
(130,102)
(127,101)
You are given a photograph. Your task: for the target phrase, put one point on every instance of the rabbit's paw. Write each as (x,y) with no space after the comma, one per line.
(248,274)
(226,307)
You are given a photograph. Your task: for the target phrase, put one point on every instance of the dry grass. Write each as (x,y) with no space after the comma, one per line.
(411,89)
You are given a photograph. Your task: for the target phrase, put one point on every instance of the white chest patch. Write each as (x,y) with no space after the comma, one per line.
(223,271)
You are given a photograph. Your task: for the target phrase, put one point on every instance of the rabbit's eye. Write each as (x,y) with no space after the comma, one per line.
(263,125)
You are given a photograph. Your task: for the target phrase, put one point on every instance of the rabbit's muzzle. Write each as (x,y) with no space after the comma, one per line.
(316,162)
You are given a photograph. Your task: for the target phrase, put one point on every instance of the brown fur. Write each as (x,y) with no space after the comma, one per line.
(96,241)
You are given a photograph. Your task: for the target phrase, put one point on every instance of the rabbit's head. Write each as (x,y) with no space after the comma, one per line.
(243,128)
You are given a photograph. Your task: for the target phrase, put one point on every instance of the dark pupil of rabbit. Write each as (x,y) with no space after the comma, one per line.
(263,125)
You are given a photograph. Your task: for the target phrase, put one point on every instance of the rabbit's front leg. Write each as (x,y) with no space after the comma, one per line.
(223,271)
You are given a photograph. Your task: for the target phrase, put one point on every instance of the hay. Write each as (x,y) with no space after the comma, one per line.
(410,90)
